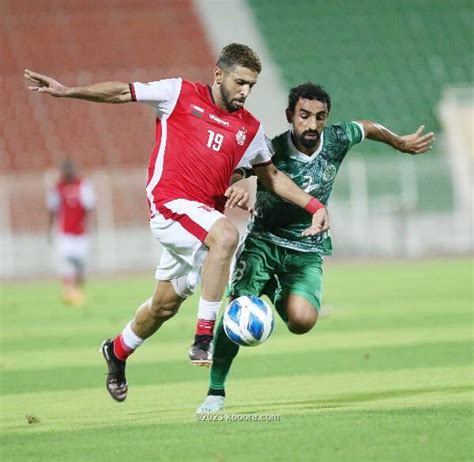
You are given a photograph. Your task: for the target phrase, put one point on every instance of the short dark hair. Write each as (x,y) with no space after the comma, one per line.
(308,90)
(236,54)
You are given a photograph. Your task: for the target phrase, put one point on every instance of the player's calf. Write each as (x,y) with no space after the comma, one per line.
(158,309)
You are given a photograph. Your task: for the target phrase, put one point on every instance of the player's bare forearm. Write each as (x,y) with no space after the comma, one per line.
(377,132)
(105,92)
(282,185)
(414,143)
(51,220)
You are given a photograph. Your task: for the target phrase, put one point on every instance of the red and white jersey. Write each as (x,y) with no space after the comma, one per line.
(198,145)
(71,201)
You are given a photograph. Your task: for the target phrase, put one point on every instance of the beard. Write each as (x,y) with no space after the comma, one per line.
(230,104)
(310,143)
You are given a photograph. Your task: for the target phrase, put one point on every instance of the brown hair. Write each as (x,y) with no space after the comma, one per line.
(236,54)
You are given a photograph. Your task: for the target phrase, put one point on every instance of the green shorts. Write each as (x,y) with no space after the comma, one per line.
(261,266)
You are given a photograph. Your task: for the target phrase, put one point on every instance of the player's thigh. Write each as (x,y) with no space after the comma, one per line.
(72,246)
(255,264)
(301,284)
(181,226)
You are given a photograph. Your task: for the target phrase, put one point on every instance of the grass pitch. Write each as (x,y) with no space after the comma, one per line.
(387,376)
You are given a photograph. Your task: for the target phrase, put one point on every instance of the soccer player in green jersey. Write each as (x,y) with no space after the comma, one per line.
(275,259)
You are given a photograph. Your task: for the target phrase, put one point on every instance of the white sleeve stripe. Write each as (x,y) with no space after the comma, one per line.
(262,164)
(361,128)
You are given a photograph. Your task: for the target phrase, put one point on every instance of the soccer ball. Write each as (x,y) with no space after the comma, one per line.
(248,320)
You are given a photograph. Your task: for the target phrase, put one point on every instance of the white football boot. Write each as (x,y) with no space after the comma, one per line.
(211,404)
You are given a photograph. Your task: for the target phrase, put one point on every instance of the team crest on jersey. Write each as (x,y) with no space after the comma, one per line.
(329,173)
(241,136)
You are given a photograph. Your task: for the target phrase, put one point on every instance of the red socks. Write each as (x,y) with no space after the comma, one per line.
(205,327)
(121,350)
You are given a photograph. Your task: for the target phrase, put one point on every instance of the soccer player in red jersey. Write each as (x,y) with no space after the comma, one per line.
(203,134)
(69,202)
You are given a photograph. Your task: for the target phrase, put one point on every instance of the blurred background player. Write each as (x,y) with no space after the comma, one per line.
(69,203)
(202,134)
(275,259)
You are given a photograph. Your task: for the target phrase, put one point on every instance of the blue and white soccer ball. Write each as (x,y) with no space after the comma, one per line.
(248,320)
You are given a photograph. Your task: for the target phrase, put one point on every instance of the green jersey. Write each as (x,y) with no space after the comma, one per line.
(281,222)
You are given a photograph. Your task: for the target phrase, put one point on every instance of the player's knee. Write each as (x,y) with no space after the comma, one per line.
(299,328)
(184,286)
(227,237)
(302,324)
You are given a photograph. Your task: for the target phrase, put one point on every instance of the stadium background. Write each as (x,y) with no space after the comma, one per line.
(387,376)
(393,62)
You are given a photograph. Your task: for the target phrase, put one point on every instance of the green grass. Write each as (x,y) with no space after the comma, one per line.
(388,376)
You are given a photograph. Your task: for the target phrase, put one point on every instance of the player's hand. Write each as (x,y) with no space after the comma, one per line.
(237,196)
(320,223)
(417,142)
(45,84)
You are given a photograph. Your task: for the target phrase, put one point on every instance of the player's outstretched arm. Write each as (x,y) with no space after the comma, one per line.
(105,92)
(414,143)
(284,186)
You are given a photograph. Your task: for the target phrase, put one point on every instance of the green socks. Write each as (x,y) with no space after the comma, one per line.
(224,353)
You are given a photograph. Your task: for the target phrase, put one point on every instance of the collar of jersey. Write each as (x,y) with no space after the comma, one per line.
(297,155)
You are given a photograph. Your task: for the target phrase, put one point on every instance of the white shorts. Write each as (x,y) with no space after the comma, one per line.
(181,226)
(71,252)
